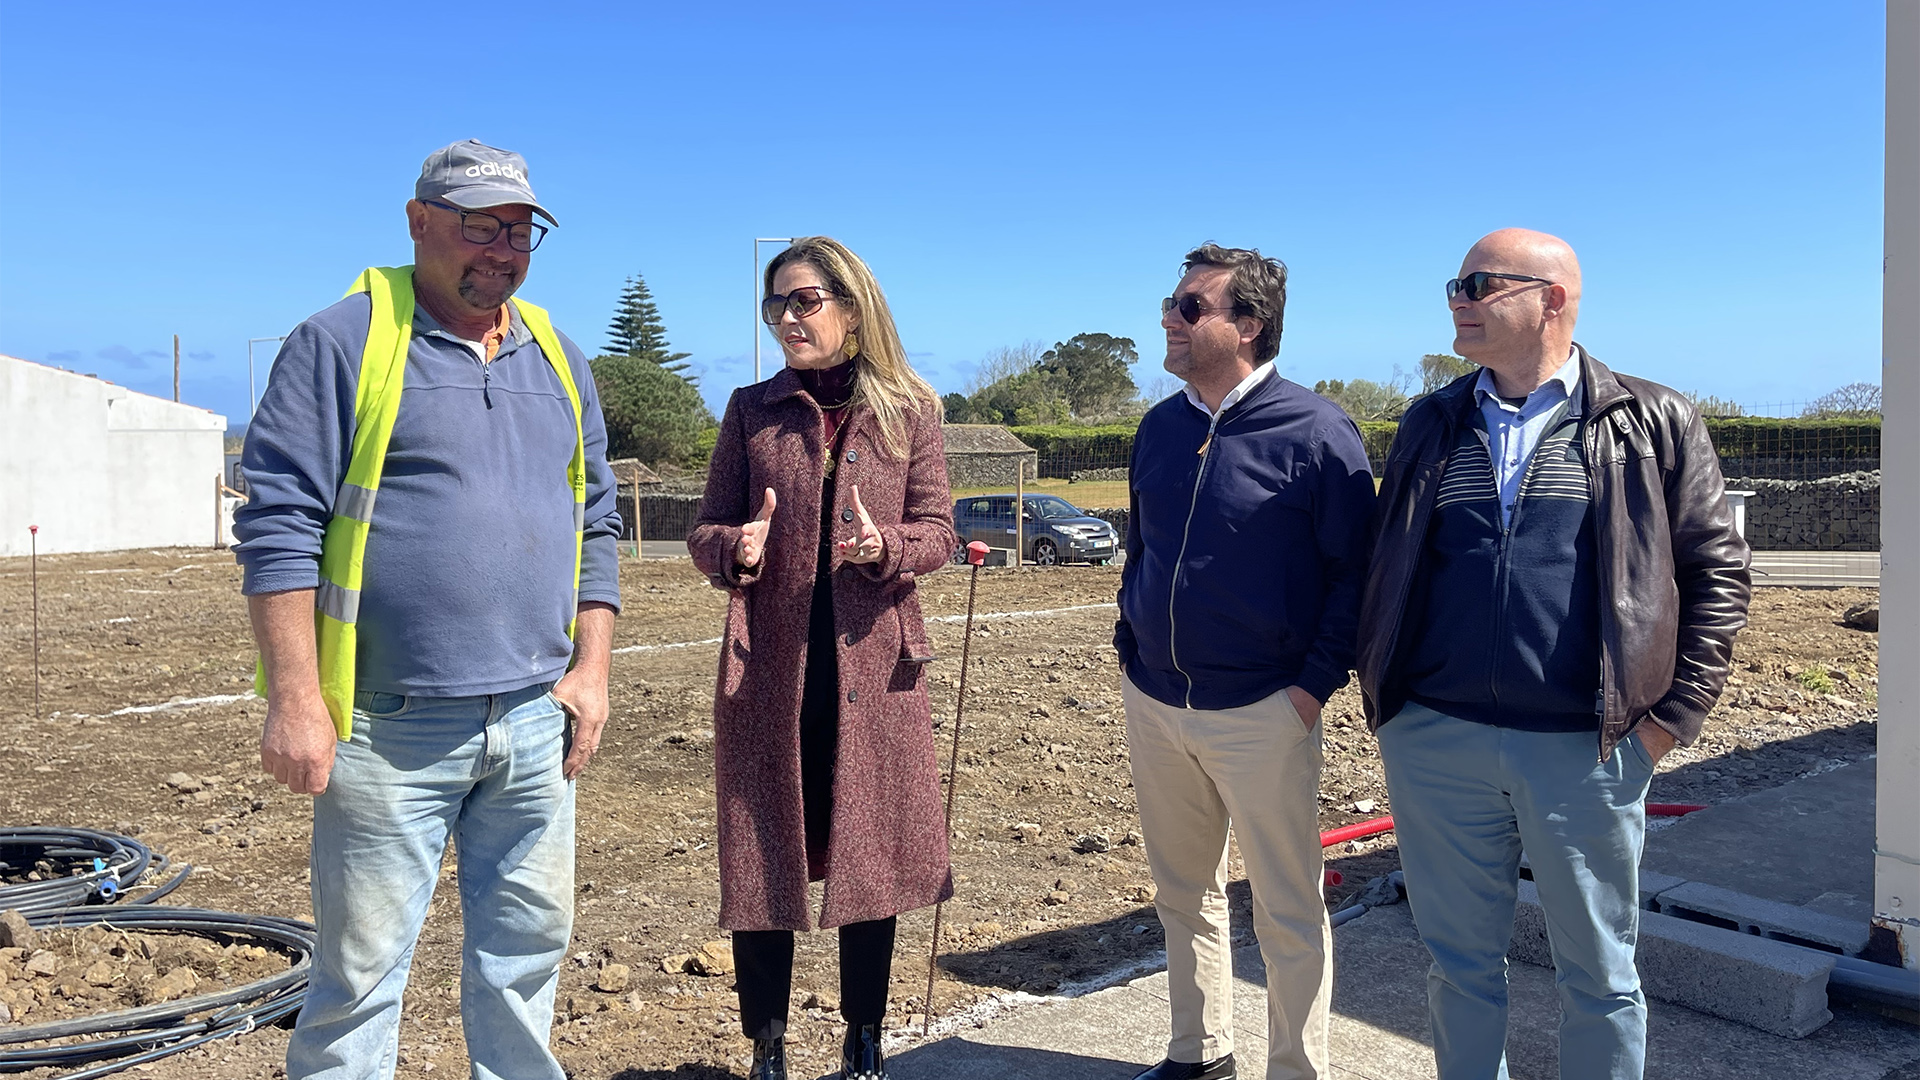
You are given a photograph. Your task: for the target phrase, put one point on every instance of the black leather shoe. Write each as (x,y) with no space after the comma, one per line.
(1220,1068)
(860,1058)
(769,1060)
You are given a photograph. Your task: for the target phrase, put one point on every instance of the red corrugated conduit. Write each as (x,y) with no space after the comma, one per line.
(1360,830)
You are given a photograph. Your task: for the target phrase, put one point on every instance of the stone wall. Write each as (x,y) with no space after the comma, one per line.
(966,470)
(1839,513)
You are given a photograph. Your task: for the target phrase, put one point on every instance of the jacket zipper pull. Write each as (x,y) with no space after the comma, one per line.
(486,384)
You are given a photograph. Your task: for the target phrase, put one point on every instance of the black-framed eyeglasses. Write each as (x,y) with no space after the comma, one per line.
(1190,307)
(1477,284)
(480,227)
(802,302)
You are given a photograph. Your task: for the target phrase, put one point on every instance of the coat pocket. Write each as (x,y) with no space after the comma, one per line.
(915,648)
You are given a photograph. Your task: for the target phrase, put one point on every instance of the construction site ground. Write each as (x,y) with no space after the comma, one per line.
(146,726)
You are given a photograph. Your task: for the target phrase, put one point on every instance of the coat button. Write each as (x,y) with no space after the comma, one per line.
(849,639)
(846,513)
(853,695)
(853,456)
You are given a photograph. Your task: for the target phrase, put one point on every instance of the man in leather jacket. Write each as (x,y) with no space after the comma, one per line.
(1551,607)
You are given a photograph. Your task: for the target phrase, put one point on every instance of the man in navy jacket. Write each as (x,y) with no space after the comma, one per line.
(1247,544)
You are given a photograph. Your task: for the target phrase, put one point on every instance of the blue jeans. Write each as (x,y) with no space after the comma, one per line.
(485,770)
(1467,798)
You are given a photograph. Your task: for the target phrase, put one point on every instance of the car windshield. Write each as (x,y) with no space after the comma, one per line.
(1053,508)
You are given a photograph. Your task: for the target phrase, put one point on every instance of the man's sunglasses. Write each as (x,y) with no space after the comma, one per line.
(802,302)
(1190,307)
(479,227)
(1479,284)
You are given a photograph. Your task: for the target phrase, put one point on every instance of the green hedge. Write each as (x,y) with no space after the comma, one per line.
(1759,436)
(1064,448)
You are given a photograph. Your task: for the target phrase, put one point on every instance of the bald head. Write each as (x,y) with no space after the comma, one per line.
(1533,254)
(1521,329)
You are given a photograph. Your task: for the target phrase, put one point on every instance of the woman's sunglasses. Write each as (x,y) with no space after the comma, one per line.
(1190,307)
(802,302)
(1479,284)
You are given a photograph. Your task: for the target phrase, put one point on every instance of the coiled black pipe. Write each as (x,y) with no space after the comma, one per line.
(89,867)
(155,1031)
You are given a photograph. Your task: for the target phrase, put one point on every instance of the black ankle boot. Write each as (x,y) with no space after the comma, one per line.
(1220,1068)
(769,1060)
(860,1057)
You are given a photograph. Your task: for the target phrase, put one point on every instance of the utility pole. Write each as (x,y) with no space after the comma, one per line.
(176,367)
(757,285)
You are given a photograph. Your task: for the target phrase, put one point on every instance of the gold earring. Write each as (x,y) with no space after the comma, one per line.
(852,348)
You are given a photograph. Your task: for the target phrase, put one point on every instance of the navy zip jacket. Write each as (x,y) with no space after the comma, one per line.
(1247,543)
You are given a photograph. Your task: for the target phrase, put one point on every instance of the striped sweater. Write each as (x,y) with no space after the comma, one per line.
(1504,619)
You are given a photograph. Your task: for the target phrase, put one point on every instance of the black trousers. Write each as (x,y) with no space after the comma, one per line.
(764,970)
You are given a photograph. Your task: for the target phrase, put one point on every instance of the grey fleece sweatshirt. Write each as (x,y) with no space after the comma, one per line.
(468,582)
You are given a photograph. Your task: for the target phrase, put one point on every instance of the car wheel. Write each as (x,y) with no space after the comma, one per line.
(960,555)
(1045,553)
(1100,562)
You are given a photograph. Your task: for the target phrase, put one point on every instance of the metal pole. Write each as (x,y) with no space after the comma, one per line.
(253,399)
(1019,510)
(757,241)
(33,539)
(976,555)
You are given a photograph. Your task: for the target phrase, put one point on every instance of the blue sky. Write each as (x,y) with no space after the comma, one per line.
(1011,172)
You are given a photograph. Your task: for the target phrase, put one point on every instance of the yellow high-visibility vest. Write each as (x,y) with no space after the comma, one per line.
(344,547)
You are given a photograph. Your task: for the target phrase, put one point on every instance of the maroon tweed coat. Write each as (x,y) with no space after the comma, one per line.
(888,850)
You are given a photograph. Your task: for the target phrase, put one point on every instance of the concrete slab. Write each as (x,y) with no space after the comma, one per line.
(1788,844)
(1380,1030)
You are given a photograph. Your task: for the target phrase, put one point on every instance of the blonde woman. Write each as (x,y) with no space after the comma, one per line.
(826,497)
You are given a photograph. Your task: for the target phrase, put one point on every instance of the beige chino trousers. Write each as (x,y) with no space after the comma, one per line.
(1258,768)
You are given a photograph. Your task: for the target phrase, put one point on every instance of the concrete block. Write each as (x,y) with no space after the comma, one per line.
(1778,988)
(1653,884)
(1766,918)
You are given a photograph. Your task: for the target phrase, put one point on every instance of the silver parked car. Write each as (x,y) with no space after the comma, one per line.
(1056,530)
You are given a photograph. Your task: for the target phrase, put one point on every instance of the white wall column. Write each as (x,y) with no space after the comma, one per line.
(1896,868)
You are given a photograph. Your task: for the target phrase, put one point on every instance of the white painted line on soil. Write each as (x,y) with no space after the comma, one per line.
(1043,613)
(165,706)
(228,699)
(670,645)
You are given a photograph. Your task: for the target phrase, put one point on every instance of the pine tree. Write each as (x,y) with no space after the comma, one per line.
(637,330)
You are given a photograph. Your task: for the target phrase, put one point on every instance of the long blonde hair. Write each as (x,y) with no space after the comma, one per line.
(887,384)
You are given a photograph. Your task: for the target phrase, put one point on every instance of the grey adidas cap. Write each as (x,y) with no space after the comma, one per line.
(473,176)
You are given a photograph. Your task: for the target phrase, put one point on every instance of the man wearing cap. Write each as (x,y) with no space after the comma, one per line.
(431,572)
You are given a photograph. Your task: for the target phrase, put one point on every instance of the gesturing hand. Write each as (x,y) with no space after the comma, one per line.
(753,535)
(869,546)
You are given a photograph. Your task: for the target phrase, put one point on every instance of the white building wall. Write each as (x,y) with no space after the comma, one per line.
(1896,870)
(99,467)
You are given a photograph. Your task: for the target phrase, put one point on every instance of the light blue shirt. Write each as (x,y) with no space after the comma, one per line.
(1513,433)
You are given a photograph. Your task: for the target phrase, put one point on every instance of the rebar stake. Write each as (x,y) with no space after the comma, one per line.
(976,557)
(33,563)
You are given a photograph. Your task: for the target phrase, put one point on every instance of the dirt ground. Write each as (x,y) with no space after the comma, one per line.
(145,669)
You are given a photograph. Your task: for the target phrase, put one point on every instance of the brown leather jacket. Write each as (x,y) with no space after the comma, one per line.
(1673,570)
